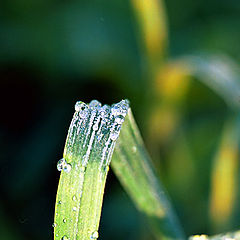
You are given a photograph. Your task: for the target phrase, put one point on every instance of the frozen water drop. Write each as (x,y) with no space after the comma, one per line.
(105,109)
(94,104)
(94,235)
(67,168)
(114,135)
(134,149)
(115,110)
(64,238)
(119,119)
(84,113)
(106,169)
(54,225)
(120,108)
(95,127)
(79,106)
(64,220)
(82,108)
(60,202)
(74,198)
(74,209)
(60,165)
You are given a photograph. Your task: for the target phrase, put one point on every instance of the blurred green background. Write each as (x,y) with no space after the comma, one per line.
(177,63)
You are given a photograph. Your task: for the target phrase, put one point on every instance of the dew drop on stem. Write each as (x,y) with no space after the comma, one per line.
(64,238)
(94,235)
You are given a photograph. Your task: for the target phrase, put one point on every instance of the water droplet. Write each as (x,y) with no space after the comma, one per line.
(60,165)
(120,108)
(134,149)
(79,106)
(60,202)
(94,104)
(64,220)
(82,108)
(63,165)
(67,168)
(54,225)
(95,127)
(64,237)
(94,235)
(106,169)
(74,198)
(115,110)
(119,119)
(74,209)
(113,135)
(84,113)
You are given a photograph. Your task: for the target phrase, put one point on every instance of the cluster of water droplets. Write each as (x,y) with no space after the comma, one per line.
(62,165)
(96,125)
(94,235)
(93,128)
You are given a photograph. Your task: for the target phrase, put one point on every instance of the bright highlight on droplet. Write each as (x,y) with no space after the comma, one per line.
(94,235)
(64,238)
(63,165)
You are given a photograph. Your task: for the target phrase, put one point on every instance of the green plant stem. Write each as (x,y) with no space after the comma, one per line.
(85,164)
(132,165)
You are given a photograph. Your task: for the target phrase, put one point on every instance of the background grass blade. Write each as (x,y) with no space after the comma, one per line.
(225,177)
(133,167)
(87,154)
(219,73)
(151,19)
(223,236)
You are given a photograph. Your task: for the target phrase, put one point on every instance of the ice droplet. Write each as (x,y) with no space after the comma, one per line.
(60,202)
(82,108)
(113,135)
(74,209)
(94,235)
(64,237)
(74,198)
(106,169)
(79,106)
(105,109)
(63,165)
(64,220)
(134,149)
(67,168)
(120,108)
(119,119)
(60,165)
(94,104)
(95,127)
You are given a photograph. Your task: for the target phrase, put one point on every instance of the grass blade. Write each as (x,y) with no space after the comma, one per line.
(223,236)
(133,167)
(87,154)
(219,73)
(224,177)
(152,24)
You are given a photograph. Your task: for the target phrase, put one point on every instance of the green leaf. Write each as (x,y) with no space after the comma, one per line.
(219,73)
(223,236)
(132,165)
(91,139)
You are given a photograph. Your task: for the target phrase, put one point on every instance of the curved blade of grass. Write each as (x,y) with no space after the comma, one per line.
(133,167)
(223,236)
(152,23)
(219,73)
(87,154)
(224,177)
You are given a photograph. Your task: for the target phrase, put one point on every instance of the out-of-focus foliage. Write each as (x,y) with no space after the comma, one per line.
(177,61)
